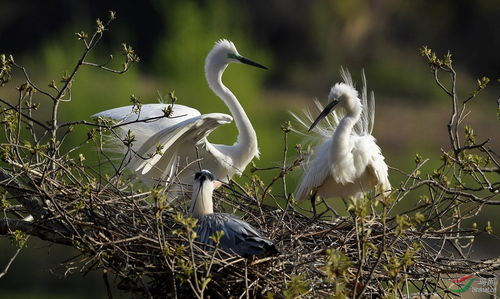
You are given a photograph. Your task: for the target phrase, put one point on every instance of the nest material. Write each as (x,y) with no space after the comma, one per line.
(150,248)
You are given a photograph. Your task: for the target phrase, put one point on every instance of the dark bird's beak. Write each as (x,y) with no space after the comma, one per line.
(324,113)
(250,62)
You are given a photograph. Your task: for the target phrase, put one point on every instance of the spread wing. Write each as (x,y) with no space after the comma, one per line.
(174,141)
(148,120)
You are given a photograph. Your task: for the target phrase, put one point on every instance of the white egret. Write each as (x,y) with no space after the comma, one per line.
(348,162)
(166,149)
(239,237)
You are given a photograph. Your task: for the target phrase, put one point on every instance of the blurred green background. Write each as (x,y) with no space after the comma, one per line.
(303,43)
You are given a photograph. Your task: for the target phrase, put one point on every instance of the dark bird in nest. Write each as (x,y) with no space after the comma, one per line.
(239,237)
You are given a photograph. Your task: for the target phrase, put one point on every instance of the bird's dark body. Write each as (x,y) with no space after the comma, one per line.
(239,237)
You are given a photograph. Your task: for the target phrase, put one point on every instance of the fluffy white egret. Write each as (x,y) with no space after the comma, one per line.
(166,149)
(348,162)
(239,237)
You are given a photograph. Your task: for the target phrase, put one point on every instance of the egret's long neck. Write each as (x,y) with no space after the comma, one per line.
(340,146)
(201,201)
(246,144)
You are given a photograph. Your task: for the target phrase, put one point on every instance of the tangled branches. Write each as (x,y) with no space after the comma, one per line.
(379,248)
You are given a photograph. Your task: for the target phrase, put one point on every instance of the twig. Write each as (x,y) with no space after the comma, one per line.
(6,269)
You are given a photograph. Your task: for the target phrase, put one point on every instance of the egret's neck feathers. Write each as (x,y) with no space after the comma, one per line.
(353,109)
(246,144)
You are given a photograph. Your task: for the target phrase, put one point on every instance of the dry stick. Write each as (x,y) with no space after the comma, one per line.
(212,259)
(6,269)
(246,282)
(106,283)
(27,77)
(67,85)
(196,287)
(361,255)
(283,180)
(27,116)
(49,232)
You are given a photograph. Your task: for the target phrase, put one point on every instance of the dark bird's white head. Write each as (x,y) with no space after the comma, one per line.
(343,95)
(223,53)
(203,188)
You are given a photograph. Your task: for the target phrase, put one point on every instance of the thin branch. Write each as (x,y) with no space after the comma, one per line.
(6,269)
(48,232)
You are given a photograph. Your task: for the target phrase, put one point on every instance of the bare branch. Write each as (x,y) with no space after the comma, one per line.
(48,232)
(6,269)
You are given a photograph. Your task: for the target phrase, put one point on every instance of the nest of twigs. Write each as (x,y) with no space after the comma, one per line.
(148,245)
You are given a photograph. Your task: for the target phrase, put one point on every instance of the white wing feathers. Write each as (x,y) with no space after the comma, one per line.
(173,140)
(148,119)
(379,167)
(316,172)
(128,113)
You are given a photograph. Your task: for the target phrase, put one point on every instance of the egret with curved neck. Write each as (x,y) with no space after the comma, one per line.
(245,147)
(347,162)
(171,149)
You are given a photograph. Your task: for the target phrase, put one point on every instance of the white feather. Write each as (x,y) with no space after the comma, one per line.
(143,130)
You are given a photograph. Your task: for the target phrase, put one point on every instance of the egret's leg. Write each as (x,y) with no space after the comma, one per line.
(313,204)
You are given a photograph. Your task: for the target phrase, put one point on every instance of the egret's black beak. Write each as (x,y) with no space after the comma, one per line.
(250,62)
(324,113)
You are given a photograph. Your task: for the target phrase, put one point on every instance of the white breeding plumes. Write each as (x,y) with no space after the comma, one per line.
(168,149)
(347,162)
